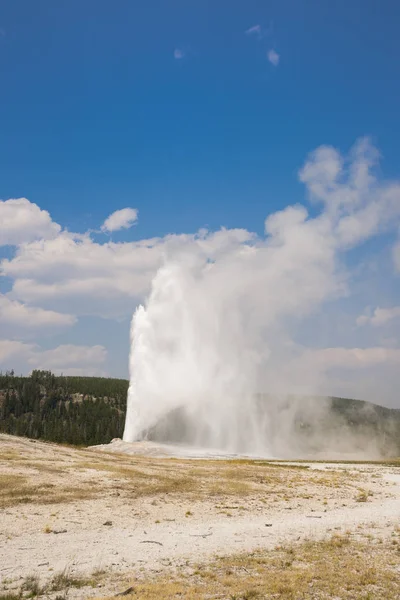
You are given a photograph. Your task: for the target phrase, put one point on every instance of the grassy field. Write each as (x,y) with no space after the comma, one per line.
(29,476)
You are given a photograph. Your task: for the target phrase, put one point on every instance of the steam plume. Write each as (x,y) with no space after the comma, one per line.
(220,323)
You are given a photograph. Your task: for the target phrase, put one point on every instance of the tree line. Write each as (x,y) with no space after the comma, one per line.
(74,410)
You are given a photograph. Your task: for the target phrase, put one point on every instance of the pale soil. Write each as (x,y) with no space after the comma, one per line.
(80,511)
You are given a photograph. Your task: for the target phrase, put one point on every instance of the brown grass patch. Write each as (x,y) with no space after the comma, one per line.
(154,477)
(80,474)
(338,567)
(16,489)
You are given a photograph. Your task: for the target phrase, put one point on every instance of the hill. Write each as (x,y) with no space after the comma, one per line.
(91,410)
(355,426)
(74,410)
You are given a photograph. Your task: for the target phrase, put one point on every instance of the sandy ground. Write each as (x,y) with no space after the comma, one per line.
(45,529)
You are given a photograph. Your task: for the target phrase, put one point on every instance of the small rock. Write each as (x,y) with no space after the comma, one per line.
(108,523)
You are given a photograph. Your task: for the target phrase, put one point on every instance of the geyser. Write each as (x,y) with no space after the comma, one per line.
(214,332)
(221,322)
(188,364)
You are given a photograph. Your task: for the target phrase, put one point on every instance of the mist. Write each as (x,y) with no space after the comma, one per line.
(215,361)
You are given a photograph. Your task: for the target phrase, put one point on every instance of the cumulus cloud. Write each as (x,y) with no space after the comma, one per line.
(380,316)
(77,274)
(20,319)
(357,204)
(271,280)
(120,219)
(92,278)
(74,273)
(22,221)
(273,57)
(67,359)
(67,356)
(13,349)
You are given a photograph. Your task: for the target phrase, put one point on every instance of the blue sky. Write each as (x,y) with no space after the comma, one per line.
(97,112)
(180,110)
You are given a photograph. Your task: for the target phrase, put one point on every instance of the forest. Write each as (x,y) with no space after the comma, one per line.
(86,411)
(74,410)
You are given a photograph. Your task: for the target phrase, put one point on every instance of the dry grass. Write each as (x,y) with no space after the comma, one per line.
(156,477)
(31,586)
(16,489)
(338,567)
(64,581)
(362,495)
(61,582)
(150,476)
(81,474)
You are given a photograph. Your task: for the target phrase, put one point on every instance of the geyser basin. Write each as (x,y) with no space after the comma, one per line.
(157,449)
(192,384)
(227,318)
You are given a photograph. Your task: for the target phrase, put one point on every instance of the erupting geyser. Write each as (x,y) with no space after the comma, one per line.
(189,376)
(221,322)
(213,333)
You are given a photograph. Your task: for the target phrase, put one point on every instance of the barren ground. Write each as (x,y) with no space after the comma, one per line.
(91,524)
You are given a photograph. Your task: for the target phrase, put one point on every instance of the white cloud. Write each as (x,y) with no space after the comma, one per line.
(20,318)
(354,358)
(23,221)
(356,203)
(12,349)
(67,359)
(82,276)
(69,356)
(380,316)
(72,273)
(369,373)
(362,320)
(273,57)
(255,30)
(88,371)
(179,54)
(78,275)
(271,280)
(120,219)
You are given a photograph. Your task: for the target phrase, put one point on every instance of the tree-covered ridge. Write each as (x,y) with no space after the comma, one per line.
(74,410)
(91,410)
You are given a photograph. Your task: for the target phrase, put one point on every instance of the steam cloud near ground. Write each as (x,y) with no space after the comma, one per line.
(219,324)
